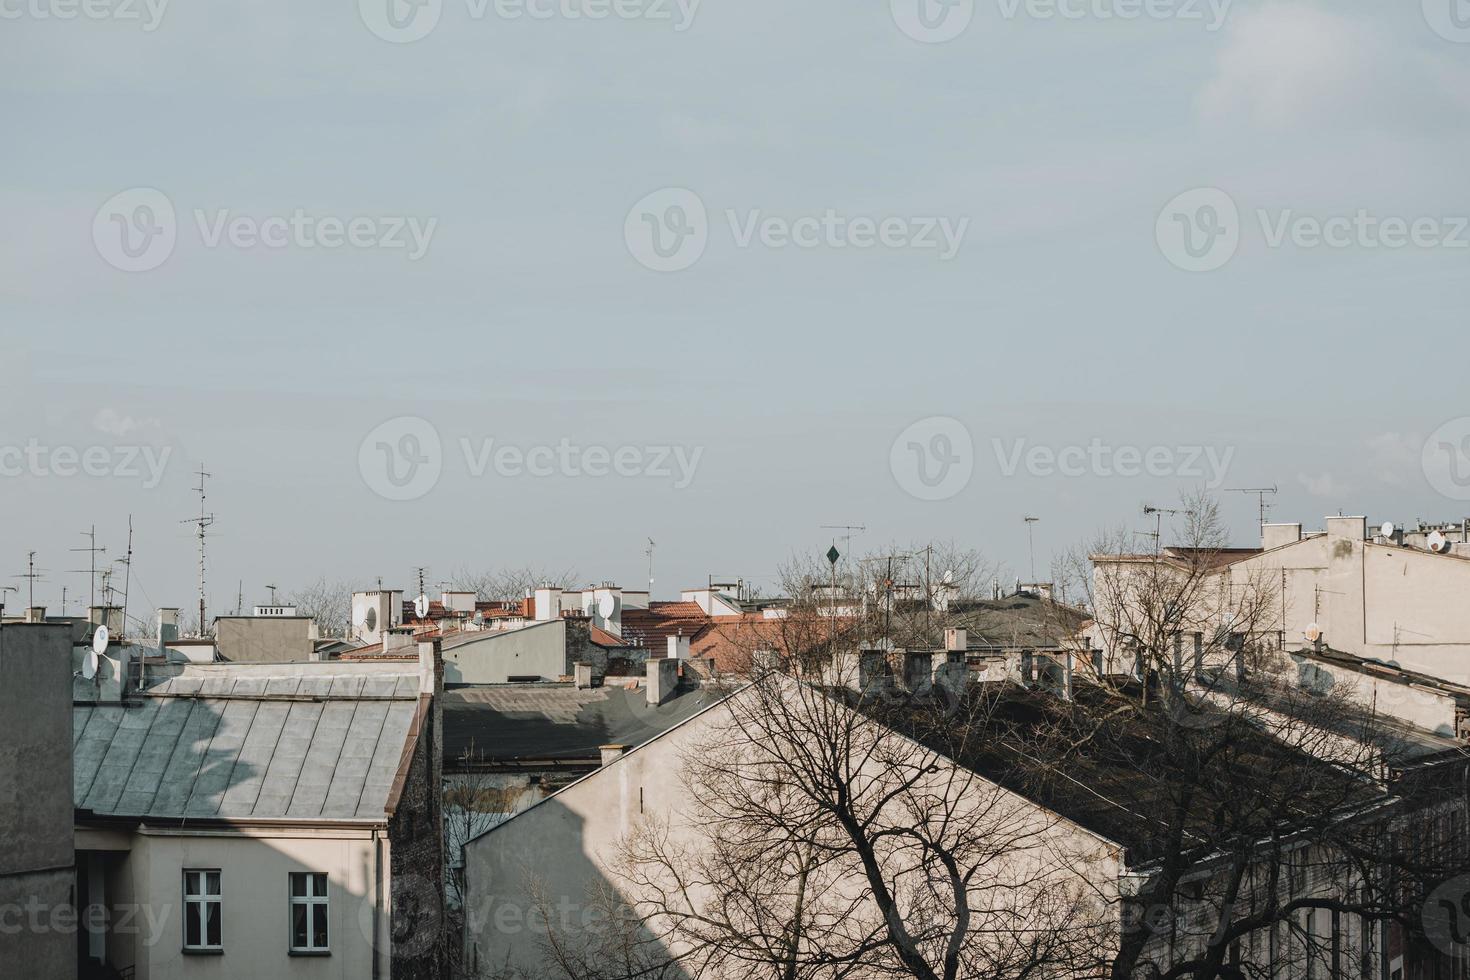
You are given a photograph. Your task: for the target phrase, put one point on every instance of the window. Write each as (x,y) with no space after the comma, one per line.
(202,911)
(308,912)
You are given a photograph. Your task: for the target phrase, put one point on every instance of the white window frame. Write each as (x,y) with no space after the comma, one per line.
(309,901)
(204,900)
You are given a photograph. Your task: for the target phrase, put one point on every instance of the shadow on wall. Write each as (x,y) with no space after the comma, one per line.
(537,908)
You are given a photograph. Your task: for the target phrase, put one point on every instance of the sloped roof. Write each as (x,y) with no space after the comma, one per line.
(509,722)
(313,747)
(652,627)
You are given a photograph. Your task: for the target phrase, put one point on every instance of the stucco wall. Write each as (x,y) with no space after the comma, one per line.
(255,913)
(36,859)
(264,639)
(563,848)
(539,650)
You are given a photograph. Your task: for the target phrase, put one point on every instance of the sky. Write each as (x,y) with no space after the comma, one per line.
(465,284)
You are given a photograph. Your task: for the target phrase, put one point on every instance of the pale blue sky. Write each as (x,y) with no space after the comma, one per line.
(528,320)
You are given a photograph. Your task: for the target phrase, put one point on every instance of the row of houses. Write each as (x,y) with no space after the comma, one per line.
(409,800)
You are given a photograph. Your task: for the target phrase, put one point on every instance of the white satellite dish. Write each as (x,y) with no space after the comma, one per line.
(1437,542)
(421,606)
(1313,632)
(99,640)
(606,606)
(89,665)
(1387,530)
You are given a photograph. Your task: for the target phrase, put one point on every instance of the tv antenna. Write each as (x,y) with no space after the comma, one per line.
(1157,513)
(1031,543)
(649,552)
(846,536)
(94,551)
(1261,493)
(272,589)
(201,523)
(127,563)
(30,575)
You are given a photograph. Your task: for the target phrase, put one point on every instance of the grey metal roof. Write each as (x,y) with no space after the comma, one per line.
(324,747)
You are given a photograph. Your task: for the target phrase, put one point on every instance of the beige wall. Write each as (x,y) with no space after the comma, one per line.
(255,920)
(539,650)
(567,843)
(264,639)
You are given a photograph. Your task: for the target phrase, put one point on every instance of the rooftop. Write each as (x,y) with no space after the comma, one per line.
(303,745)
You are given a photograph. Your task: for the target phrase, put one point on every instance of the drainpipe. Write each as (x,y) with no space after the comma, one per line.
(377,900)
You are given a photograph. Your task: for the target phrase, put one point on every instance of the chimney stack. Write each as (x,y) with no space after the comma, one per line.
(611,753)
(167,625)
(956,639)
(679,647)
(36,614)
(663,678)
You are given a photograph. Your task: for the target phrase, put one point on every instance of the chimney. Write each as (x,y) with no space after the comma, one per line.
(918,671)
(952,673)
(167,625)
(663,678)
(582,675)
(679,647)
(36,614)
(956,638)
(547,600)
(109,616)
(397,639)
(431,668)
(1276,535)
(762,660)
(611,753)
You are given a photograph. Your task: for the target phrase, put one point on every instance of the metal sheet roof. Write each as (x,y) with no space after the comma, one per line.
(314,747)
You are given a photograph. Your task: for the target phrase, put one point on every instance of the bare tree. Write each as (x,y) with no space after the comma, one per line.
(491,585)
(1266,815)
(327,602)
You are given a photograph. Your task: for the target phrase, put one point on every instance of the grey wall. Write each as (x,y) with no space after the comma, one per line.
(37,864)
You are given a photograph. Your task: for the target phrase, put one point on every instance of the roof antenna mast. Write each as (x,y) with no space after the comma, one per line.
(201,522)
(1261,494)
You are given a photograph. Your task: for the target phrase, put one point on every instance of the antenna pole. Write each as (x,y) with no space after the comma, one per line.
(127,563)
(650,569)
(93,550)
(1262,506)
(1031,543)
(201,523)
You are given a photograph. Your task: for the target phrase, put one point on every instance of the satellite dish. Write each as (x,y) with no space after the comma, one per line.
(1437,542)
(606,606)
(89,665)
(99,640)
(370,618)
(421,606)
(1313,632)
(479,618)
(1387,530)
